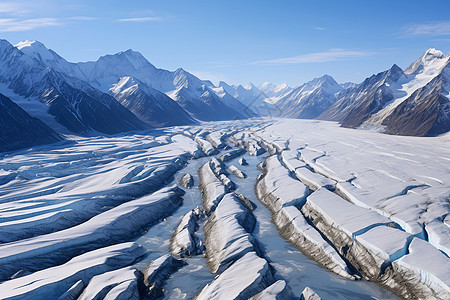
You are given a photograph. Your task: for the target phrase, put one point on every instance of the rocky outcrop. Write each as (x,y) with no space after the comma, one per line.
(187,181)
(277,291)
(378,250)
(228,233)
(236,172)
(248,276)
(309,294)
(281,194)
(157,272)
(184,241)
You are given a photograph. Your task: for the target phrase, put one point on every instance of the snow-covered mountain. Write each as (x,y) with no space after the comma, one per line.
(253,98)
(108,70)
(58,99)
(18,129)
(79,97)
(275,92)
(151,106)
(347,85)
(231,101)
(310,99)
(204,104)
(410,102)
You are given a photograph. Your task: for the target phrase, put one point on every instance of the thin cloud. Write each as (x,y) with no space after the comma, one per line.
(8,25)
(12,8)
(319,28)
(81,18)
(12,24)
(141,19)
(319,57)
(427,29)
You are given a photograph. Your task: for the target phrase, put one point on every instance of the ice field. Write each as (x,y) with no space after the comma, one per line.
(271,209)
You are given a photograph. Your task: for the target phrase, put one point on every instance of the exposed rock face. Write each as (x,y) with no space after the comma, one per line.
(243,162)
(414,102)
(281,193)
(248,276)
(212,188)
(426,112)
(74,103)
(228,233)
(232,154)
(277,291)
(151,106)
(203,104)
(231,249)
(187,181)
(309,100)
(18,129)
(379,251)
(309,294)
(355,105)
(184,241)
(158,271)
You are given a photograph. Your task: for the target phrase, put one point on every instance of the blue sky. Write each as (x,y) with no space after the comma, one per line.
(239,41)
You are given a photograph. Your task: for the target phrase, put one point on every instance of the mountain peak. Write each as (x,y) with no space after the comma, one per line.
(37,50)
(432,52)
(394,73)
(432,58)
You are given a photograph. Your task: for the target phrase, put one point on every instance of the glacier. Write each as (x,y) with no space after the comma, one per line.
(245,209)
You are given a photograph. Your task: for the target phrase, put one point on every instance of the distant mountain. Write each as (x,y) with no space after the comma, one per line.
(151,106)
(124,91)
(50,95)
(347,85)
(356,104)
(19,130)
(246,95)
(275,92)
(203,104)
(426,111)
(311,99)
(252,98)
(410,102)
(108,70)
(231,101)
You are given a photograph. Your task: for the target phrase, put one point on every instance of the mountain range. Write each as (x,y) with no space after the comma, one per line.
(125,92)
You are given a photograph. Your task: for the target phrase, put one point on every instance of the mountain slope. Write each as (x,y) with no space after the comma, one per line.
(275,92)
(410,102)
(19,130)
(108,70)
(236,104)
(355,105)
(73,103)
(252,98)
(149,105)
(426,112)
(206,107)
(310,99)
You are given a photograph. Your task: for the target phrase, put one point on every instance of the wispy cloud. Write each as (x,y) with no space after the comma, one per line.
(319,28)
(8,25)
(20,24)
(140,19)
(12,8)
(319,57)
(81,18)
(427,29)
